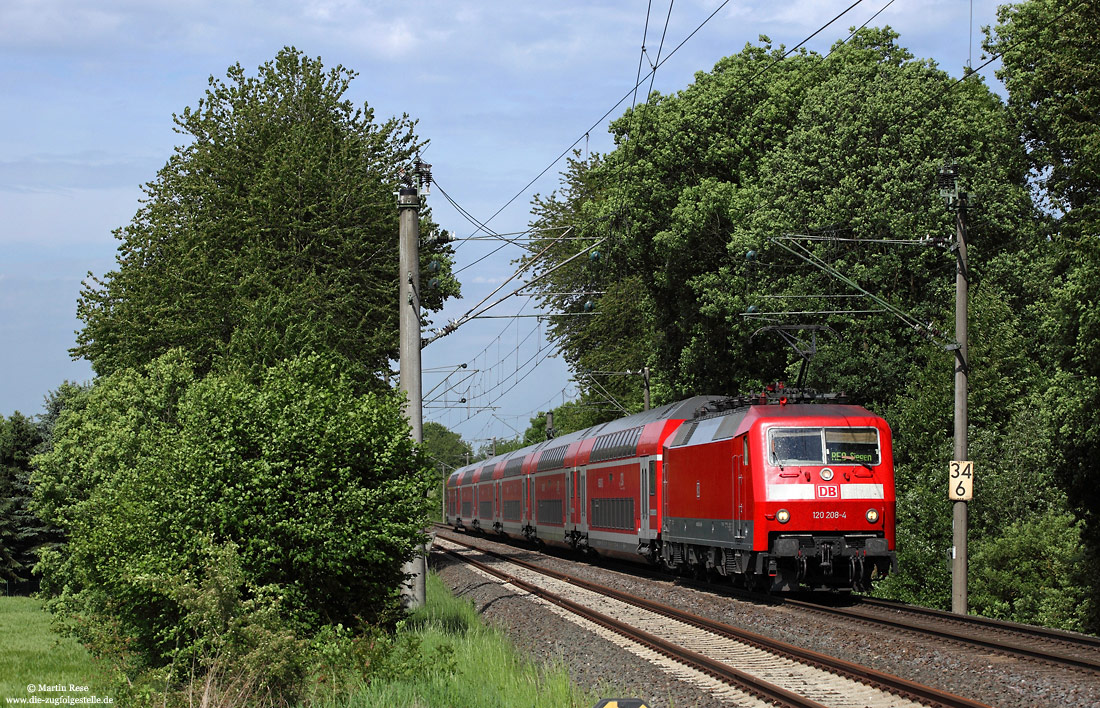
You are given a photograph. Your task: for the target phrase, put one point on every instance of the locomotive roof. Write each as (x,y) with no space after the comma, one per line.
(727,423)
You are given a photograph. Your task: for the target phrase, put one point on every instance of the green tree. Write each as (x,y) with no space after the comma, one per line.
(21,532)
(1048,54)
(319,489)
(845,146)
(270,232)
(68,394)
(1049,68)
(23,535)
(842,151)
(445,447)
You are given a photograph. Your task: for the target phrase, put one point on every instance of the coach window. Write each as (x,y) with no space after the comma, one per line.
(745,449)
(653,478)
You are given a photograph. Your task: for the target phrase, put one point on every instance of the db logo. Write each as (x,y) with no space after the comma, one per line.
(828,491)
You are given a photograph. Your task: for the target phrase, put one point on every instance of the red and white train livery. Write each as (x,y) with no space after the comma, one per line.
(773,491)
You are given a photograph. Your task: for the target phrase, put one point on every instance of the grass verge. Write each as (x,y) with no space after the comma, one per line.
(31,654)
(446,657)
(466,664)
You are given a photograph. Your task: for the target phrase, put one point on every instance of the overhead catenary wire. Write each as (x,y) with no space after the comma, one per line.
(810,257)
(660,48)
(473,313)
(816,32)
(633,91)
(607,394)
(512,277)
(473,220)
(639,79)
(487,367)
(641,56)
(937,100)
(609,111)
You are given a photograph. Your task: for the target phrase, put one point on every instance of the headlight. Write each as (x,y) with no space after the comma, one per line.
(782,516)
(826,474)
(872,516)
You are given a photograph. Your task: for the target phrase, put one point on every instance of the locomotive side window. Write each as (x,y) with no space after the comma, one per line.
(818,446)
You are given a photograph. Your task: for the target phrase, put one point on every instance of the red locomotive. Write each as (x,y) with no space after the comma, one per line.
(778,491)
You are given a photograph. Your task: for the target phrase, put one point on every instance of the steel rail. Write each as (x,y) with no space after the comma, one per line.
(1007,646)
(884,681)
(1003,646)
(1084,640)
(716,669)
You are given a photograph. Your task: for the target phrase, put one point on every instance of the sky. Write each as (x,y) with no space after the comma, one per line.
(500,89)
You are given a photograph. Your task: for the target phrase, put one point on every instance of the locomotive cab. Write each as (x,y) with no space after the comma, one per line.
(826,508)
(781,495)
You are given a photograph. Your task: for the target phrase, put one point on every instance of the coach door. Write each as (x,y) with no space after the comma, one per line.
(582,490)
(740,471)
(569,493)
(643,495)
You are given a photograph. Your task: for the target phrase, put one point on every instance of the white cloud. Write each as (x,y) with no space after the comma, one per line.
(91,169)
(117,27)
(66,217)
(56,24)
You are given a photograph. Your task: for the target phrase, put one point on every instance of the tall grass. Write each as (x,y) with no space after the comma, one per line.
(471,665)
(30,653)
(448,659)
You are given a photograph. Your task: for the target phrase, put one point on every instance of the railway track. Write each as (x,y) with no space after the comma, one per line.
(1054,647)
(770,670)
(1049,645)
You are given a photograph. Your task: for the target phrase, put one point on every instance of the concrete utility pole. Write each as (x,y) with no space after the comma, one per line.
(961,471)
(645,382)
(408,205)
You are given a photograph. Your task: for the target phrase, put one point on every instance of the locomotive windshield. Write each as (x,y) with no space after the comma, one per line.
(820,446)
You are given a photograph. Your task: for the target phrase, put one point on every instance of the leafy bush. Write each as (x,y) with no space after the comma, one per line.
(319,490)
(1033,573)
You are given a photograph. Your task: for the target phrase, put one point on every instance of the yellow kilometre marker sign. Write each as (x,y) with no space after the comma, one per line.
(960,482)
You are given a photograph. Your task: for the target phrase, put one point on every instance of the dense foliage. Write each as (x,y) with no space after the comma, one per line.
(320,490)
(698,214)
(846,146)
(238,491)
(1049,67)
(21,532)
(269,233)
(446,448)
